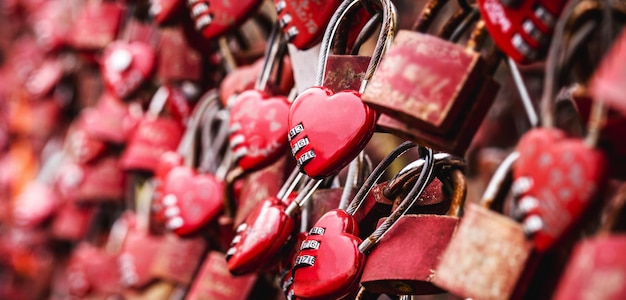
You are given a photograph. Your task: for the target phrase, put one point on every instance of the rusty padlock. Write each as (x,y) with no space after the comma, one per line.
(214,281)
(596,268)
(432,90)
(393,270)
(489,252)
(153,136)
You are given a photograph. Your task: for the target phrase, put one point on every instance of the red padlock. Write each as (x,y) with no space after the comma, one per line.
(304,22)
(111,120)
(177,59)
(101,181)
(521,29)
(152,137)
(320,150)
(215,18)
(215,282)
(166,11)
(126,66)
(178,259)
(96,26)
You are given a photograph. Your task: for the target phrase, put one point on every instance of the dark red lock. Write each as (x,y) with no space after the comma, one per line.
(166,11)
(92,269)
(215,18)
(96,26)
(522,29)
(111,120)
(178,259)
(177,59)
(304,22)
(101,181)
(151,138)
(215,282)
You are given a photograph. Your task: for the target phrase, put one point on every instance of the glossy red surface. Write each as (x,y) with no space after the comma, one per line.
(336,127)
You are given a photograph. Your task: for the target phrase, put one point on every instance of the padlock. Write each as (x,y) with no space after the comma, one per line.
(392,270)
(101,181)
(136,258)
(437,90)
(595,268)
(258,120)
(92,269)
(318,271)
(126,66)
(319,148)
(304,22)
(82,147)
(111,120)
(43,80)
(35,204)
(215,282)
(178,259)
(51,24)
(177,59)
(96,26)
(522,29)
(489,252)
(258,186)
(72,221)
(189,199)
(166,11)
(214,18)
(153,136)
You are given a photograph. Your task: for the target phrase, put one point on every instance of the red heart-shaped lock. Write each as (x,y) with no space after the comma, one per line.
(136,258)
(97,25)
(217,17)
(190,200)
(557,179)
(166,10)
(151,138)
(126,66)
(328,130)
(260,237)
(304,22)
(258,124)
(329,264)
(36,203)
(239,80)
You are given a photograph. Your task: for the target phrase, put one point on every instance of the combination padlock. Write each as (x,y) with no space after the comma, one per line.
(521,28)
(319,148)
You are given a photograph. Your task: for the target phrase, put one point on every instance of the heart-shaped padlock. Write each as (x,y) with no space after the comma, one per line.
(318,146)
(335,230)
(324,143)
(164,11)
(126,66)
(259,123)
(215,18)
(304,21)
(557,179)
(194,198)
(260,237)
